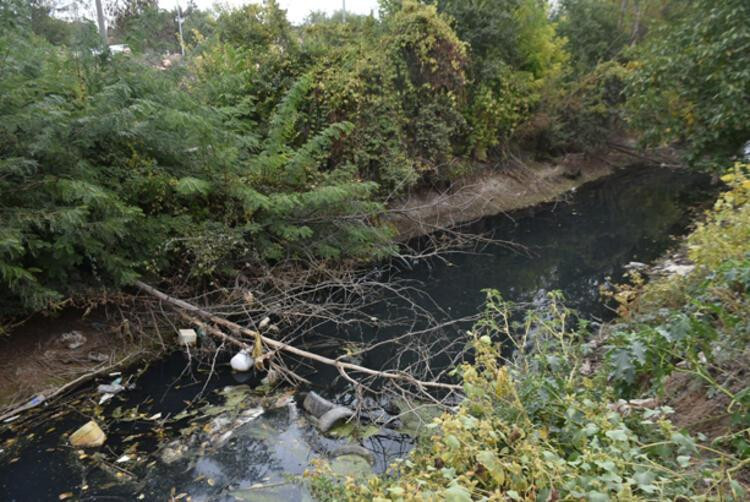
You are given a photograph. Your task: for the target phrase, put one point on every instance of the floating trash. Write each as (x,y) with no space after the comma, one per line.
(241,361)
(89,435)
(264,323)
(187,337)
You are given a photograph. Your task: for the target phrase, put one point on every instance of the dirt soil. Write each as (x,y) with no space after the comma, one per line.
(493,190)
(48,352)
(695,410)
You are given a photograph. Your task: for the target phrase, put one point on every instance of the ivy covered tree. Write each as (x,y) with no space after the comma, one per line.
(514,52)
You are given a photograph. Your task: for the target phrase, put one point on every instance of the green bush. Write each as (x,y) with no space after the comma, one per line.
(692,81)
(583,116)
(110,170)
(541,425)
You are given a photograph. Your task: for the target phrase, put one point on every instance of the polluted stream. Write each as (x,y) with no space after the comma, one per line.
(173,434)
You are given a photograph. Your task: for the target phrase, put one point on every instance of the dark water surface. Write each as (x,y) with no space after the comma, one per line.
(573,246)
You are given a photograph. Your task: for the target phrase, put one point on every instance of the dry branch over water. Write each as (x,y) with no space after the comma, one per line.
(189,311)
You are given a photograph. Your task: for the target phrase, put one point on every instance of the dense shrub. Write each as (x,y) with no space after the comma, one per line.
(692,81)
(582,116)
(515,56)
(276,141)
(542,425)
(110,169)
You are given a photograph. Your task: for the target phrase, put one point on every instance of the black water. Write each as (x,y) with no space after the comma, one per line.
(575,246)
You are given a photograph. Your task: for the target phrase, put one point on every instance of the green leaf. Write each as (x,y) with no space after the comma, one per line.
(622,365)
(396,491)
(452,442)
(594,496)
(489,460)
(188,186)
(617,435)
(456,493)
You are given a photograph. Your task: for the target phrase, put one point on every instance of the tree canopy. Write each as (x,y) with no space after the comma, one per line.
(270,141)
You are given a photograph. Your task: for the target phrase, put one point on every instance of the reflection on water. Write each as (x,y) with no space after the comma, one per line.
(574,246)
(631,216)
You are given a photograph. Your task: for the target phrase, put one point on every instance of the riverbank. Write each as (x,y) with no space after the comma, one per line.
(36,360)
(50,356)
(494,189)
(653,405)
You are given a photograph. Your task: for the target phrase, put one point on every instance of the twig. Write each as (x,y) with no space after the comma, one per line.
(184,307)
(629,151)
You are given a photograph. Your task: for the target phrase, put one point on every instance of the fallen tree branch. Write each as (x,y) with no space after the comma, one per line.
(184,307)
(651,159)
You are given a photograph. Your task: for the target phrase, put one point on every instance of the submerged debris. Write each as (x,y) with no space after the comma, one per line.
(353,449)
(173,452)
(334,416)
(326,413)
(73,339)
(316,405)
(351,466)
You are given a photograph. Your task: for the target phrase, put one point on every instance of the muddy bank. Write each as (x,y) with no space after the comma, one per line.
(48,355)
(519,184)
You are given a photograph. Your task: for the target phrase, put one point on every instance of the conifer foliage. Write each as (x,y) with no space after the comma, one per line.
(110,169)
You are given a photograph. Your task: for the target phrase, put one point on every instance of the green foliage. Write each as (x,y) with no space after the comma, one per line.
(583,116)
(703,331)
(150,30)
(602,30)
(145,28)
(399,81)
(14,15)
(81,34)
(277,142)
(489,28)
(111,170)
(515,55)
(692,79)
(536,427)
(429,62)
(257,27)
(594,29)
